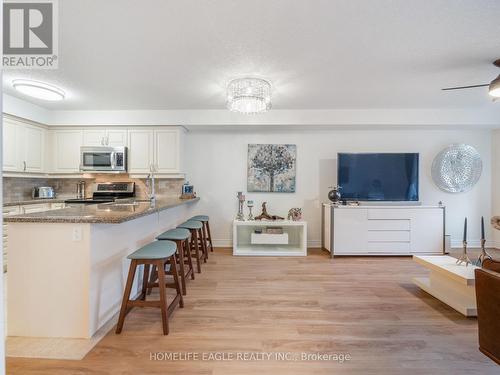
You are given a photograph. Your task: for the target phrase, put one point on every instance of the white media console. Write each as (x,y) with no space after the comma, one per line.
(383,230)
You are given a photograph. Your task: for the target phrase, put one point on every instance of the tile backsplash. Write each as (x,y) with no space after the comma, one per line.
(19,188)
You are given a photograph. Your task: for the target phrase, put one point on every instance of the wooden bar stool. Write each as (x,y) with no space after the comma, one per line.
(206,229)
(196,229)
(155,254)
(181,237)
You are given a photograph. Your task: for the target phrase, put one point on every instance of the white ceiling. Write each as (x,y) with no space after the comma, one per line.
(319,54)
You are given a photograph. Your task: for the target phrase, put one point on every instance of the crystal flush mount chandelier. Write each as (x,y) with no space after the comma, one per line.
(249,95)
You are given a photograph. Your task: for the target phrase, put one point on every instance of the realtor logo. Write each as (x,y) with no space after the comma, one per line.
(30,34)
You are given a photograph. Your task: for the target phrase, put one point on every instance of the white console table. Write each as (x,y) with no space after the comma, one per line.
(293,241)
(383,230)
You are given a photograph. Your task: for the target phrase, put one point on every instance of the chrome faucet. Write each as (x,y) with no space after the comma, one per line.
(150,184)
(80,190)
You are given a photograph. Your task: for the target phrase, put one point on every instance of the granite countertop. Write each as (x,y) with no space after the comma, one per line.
(107,213)
(34,201)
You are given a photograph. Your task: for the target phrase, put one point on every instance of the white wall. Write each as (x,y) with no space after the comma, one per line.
(216,165)
(29,111)
(495,192)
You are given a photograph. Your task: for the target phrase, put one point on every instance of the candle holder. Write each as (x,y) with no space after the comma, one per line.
(250,205)
(241,200)
(484,254)
(464,258)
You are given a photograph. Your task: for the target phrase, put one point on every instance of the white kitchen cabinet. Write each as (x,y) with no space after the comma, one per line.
(24,147)
(10,146)
(166,151)
(105,137)
(140,153)
(116,138)
(34,149)
(7,211)
(66,150)
(30,149)
(94,137)
(157,150)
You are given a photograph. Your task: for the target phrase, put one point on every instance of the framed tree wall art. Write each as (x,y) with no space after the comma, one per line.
(271,168)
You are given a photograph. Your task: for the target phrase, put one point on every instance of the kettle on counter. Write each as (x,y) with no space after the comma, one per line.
(43,192)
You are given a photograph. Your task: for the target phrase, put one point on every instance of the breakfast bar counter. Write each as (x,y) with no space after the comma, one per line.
(106,213)
(68,267)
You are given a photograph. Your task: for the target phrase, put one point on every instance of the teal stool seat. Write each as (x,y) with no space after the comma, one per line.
(178,234)
(196,228)
(206,230)
(191,224)
(152,258)
(155,250)
(202,218)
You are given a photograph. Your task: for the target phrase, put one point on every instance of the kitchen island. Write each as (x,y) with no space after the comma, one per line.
(68,267)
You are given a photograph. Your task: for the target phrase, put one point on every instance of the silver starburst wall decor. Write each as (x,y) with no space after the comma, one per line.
(457,168)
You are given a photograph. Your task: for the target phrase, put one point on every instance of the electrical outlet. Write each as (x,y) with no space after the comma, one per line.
(77,234)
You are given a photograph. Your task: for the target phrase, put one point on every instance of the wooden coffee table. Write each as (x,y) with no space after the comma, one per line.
(451,283)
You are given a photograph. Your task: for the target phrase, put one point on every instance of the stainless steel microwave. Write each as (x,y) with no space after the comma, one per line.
(103,159)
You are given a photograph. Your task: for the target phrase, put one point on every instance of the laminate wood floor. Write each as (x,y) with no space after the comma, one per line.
(366,307)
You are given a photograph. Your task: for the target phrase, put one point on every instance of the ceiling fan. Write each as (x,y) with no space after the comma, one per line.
(494,86)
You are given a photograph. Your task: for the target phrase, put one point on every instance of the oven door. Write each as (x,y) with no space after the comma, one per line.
(97,159)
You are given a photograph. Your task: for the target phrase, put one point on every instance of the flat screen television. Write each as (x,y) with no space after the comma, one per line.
(378,176)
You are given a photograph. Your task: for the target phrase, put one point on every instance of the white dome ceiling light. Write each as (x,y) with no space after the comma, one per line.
(249,95)
(38,90)
(493,86)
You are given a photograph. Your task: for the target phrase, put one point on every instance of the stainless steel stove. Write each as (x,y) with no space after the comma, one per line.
(107,192)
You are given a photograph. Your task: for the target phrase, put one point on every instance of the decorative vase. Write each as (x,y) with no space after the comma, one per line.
(334,194)
(241,200)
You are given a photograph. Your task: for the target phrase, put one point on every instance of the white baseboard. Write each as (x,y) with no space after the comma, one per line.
(474,243)
(313,244)
(496,244)
(222,243)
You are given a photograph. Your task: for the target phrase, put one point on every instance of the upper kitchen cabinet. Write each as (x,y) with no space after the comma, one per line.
(66,150)
(116,137)
(10,146)
(23,147)
(34,149)
(94,137)
(167,151)
(140,151)
(30,149)
(105,137)
(156,150)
